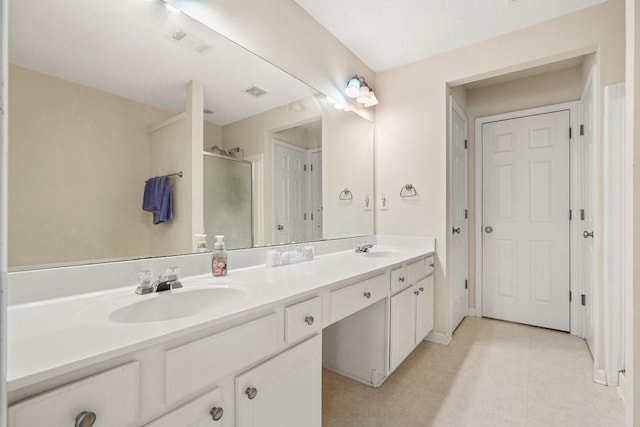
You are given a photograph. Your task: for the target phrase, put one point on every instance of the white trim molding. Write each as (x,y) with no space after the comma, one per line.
(439,337)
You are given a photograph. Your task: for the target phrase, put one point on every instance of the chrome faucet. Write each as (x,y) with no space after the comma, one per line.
(169,281)
(362,248)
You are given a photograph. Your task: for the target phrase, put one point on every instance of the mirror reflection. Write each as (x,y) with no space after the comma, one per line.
(104,96)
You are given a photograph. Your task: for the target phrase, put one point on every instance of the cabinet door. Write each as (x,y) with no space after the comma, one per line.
(424,310)
(205,411)
(403,326)
(285,391)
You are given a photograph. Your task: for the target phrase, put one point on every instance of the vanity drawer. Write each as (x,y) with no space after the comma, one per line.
(112,396)
(199,364)
(398,279)
(355,297)
(416,270)
(199,411)
(302,319)
(430,261)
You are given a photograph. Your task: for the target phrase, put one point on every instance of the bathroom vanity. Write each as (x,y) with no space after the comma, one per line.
(245,350)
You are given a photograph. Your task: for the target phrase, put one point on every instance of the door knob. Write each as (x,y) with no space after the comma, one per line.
(251,392)
(455,230)
(488,229)
(85,419)
(216,413)
(586,234)
(280,227)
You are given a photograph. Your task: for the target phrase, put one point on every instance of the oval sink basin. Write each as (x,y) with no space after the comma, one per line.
(176,305)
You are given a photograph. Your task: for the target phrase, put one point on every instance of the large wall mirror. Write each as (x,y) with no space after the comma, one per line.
(104,96)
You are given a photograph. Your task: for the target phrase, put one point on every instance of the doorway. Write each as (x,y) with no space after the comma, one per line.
(526,219)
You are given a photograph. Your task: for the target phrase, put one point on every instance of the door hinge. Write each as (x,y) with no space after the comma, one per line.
(305,167)
(570,133)
(582,214)
(466,284)
(581,130)
(570,296)
(311,167)
(583,299)
(466,214)
(570,215)
(305,217)
(466,143)
(311,216)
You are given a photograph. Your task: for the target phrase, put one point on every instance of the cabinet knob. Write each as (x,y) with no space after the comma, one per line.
(416,292)
(216,413)
(401,279)
(367,295)
(421,289)
(432,265)
(85,419)
(309,320)
(251,392)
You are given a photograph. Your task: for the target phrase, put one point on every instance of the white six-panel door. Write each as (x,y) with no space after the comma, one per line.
(525,239)
(289,193)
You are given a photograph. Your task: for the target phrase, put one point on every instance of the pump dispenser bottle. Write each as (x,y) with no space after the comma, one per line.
(219,259)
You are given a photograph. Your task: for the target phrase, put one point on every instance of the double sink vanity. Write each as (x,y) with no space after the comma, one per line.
(244,350)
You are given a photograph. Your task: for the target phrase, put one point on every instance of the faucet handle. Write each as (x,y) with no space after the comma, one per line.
(146,278)
(172,273)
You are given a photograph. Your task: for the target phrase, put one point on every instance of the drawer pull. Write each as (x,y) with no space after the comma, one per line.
(401,279)
(416,292)
(216,413)
(432,265)
(421,289)
(367,295)
(251,392)
(309,320)
(85,419)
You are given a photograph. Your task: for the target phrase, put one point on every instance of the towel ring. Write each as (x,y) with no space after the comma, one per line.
(408,191)
(345,195)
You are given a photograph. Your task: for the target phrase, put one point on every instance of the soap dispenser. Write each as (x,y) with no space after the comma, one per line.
(219,259)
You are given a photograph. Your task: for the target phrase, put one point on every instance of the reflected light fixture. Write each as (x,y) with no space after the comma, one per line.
(359,89)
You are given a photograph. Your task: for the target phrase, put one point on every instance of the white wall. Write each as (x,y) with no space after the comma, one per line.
(411,119)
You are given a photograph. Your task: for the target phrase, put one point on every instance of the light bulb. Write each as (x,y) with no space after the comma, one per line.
(372,100)
(353,88)
(364,95)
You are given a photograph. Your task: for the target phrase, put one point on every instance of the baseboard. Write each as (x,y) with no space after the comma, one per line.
(471,312)
(600,376)
(439,338)
(353,377)
(622,387)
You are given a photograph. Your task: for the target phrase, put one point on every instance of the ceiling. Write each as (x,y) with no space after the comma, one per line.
(386,34)
(127,48)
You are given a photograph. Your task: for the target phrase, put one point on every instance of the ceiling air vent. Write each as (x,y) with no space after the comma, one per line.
(255,91)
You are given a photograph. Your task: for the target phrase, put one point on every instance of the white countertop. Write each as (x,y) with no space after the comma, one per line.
(57,336)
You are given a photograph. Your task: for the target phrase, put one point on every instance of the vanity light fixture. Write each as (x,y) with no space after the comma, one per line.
(359,89)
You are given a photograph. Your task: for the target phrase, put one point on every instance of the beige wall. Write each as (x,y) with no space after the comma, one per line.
(545,89)
(411,119)
(63,134)
(212,136)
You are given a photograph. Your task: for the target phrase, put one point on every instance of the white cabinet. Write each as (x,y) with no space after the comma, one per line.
(402,326)
(355,297)
(208,410)
(424,308)
(285,391)
(109,398)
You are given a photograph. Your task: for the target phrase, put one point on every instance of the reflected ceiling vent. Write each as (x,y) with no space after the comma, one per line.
(255,91)
(190,41)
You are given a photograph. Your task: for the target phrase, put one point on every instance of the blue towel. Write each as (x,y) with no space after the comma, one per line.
(157,199)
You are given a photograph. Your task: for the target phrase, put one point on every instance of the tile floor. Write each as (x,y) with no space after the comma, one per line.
(493,373)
